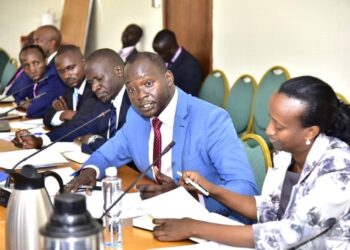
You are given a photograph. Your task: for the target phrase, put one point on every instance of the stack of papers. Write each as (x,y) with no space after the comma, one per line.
(72,151)
(46,158)
(30,124)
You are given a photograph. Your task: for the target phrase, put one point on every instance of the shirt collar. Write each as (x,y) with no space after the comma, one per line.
(117,101)
(80,90)
(125,52)
(51,57)
(167,116)
(177,53)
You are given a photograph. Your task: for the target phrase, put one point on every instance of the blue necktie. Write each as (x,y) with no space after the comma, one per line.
(112,122)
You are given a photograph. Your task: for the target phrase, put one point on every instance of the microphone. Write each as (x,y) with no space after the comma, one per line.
(166,150)
(21,105)
(8,179)
(24,88)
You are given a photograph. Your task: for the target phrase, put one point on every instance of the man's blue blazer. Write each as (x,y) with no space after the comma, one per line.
(205,141)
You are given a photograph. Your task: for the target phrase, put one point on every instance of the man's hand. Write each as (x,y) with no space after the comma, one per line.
(23,105)
(67,115)
(87,176)
(150,190)
(24,139)
(173,229)
(60,104)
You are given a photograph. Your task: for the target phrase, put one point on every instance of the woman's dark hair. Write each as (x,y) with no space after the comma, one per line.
(323,108)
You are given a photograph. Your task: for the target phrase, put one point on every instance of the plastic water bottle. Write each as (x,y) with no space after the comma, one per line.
(112,189)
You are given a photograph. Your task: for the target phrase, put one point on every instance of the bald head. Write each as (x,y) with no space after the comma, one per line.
(48,37)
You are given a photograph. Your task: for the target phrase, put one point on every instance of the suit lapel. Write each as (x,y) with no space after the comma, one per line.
(123,110)
(180,130)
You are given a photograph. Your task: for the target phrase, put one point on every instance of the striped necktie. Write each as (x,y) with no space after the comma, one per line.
(112,122)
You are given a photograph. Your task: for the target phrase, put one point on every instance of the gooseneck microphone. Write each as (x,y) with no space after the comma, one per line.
(8,179)
(166,150)
(24,88)
(22,104)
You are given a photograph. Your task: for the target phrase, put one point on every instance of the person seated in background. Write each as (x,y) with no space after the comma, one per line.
(185,67)
(79,100)
(45,79)
(48,37)
(130,37)
(305,203)
(104,73)
(205,139)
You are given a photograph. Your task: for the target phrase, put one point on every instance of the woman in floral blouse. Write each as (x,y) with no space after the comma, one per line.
(305,201)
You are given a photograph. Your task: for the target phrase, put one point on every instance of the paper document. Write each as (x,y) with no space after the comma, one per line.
(9,136)
(72,151)
(30,124)
(47,158)
(130,204)
(9,98)
(210,245)
(166,205)
(13,112)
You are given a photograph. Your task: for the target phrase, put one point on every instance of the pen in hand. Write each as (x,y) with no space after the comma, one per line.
(194,184)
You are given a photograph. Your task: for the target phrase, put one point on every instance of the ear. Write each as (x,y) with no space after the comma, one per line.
(169,77)
(118,71)
(312,132)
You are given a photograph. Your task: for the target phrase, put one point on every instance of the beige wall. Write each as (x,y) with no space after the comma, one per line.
(305,36)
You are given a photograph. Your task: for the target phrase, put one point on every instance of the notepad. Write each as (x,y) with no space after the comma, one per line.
(166,205)
(47,158)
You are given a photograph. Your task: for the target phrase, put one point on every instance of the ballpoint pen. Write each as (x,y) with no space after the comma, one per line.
(193,184)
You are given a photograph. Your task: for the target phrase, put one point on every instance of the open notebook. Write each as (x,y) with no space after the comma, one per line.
(177,203)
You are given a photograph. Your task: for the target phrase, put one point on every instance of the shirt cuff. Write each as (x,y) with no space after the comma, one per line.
(93,167)
(56,121)
(46,140)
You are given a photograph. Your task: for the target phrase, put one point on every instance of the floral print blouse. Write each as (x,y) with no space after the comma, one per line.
(318,213)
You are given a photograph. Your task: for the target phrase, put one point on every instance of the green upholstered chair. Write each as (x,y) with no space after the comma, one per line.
(239,103)
(259,156)
(269,84)
(342,98)
(7,74)
(214,89)
(4,58)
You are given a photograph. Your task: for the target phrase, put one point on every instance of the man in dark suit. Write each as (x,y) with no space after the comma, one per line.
(185,67)
(79,100)
(130,37)
(104,72)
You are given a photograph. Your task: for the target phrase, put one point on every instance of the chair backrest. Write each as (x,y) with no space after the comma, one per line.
(269,84)
(7,74)
(259,156)
(342,98)
(4,58)
(214,89)
(239,103)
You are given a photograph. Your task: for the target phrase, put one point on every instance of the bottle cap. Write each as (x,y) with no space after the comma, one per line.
(111,171)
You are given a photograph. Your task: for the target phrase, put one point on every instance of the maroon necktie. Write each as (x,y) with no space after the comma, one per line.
(157,143)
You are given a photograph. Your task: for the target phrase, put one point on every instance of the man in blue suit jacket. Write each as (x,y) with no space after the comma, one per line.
(205,138)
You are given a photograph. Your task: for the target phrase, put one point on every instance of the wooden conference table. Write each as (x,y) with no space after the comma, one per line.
(134,238)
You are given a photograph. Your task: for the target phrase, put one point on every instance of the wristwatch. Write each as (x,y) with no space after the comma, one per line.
(92,139)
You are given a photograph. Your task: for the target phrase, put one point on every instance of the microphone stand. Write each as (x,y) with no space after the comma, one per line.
(24,103)
(8,179)
(166,150)
(26,87)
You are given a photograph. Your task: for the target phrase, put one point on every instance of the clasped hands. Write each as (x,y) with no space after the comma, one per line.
(60,104)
